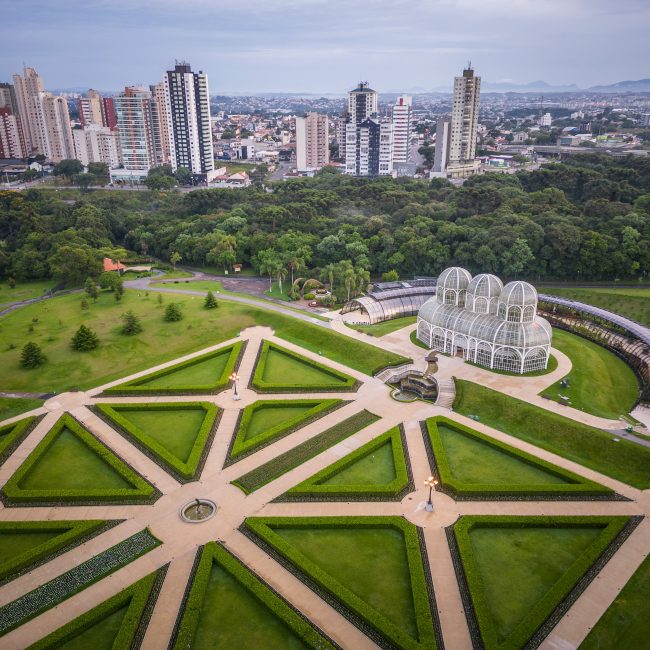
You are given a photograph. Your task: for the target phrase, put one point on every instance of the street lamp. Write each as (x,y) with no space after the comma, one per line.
(234,378)
(430,483)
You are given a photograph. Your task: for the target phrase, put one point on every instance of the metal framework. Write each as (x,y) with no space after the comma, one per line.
(390,303)
(486,323)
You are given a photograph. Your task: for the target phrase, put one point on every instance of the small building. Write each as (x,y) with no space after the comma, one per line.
(110,265)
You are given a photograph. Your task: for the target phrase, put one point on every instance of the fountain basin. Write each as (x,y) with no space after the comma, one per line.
(198,511)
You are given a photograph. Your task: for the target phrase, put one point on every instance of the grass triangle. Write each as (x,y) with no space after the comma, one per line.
(113,624)
(471,464)
(177,434)
(229,607)
(519,569)
(204,374)
(372,566)
(11,435)
(377,469)
(281,370)
(24,543)
(70,464)
(266,421)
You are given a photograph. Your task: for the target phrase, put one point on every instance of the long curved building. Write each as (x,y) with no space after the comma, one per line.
(485,322)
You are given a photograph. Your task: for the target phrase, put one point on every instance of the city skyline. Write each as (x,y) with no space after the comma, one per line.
(273,46)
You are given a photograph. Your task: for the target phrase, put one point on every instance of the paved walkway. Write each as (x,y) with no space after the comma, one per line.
(181,540)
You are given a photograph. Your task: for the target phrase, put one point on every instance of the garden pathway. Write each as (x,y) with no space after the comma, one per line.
(181,540)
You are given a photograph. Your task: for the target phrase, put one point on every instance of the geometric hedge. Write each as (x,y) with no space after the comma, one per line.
(11,435)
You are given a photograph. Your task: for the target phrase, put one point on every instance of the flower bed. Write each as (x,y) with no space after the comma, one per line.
(337,381)
(183,471)
(575,486)
(190,612)
(240,447)
(138,386)
(264,474)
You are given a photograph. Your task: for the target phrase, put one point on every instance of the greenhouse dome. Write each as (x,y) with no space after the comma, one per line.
(486,323)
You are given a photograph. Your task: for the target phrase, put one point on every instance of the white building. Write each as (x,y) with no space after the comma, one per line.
(312,142)
(91,109)
(401,114)
(464,118)
(160,123)
(188,110)
(97,144)
(485,322)
(441,154)
(135,127)
(546,120)
(369,148)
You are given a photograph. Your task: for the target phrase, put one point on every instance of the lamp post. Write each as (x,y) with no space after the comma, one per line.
(234,378)
(430,483)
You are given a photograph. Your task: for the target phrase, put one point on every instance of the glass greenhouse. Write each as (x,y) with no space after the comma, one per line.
(390,303)
(485,322)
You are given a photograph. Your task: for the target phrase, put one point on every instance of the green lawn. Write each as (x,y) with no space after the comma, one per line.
(276,293)
(68,464)
(631,302)
(195,285)
(596,449)
(281,368)
(10,406)
(416,341)
(232,617)
(387,326)
(100,636)
(626,623)
(599,382)
(377,468)
(23,290)
(160,341)
(14,543)
(268,416)
(173,275)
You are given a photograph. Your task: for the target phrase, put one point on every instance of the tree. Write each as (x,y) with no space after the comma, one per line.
(210,301)
(32,356)
(29,175)
(173,312)
(91,289)
(118,289)
(109,280)
(98,169)
(390,276)
(183,176)
(130,324)
(68,168)
(328,273)
(269,263)
(175,258)
(516,258)
(72,264)
(223,252)
(84,339)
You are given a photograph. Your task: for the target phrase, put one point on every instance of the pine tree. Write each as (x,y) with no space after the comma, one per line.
(160,299)
(32,356)
(130,324)
(91,288)
(84,339)
(210,301)
(173,312)
(84,304)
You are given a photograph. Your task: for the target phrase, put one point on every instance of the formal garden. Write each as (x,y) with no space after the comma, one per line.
(322,532)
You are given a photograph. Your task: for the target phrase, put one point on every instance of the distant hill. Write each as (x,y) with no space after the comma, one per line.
(638,86)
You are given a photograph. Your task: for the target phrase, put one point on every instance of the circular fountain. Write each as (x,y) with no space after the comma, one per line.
(198,510)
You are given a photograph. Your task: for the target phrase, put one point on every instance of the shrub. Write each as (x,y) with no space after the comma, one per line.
(91,288)
(84,339)
(130,324)
(84,304)
(32,356)
(390,276)
(309,296)
(210,301)
(173,312)
(160,299)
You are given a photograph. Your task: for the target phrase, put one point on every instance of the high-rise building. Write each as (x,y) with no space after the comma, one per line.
(363,102)
(91,109)
(401,115)
(546,119)
(188,109)
(160,123)
(108,111)
(59,144)
(12,143)
(312,142)
(464,117)
(28,88)
(134,124)
(95,143)
(441,156)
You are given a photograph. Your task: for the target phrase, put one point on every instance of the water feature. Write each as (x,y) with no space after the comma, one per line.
(198,510)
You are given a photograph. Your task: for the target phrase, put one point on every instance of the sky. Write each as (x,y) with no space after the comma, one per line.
(325,46)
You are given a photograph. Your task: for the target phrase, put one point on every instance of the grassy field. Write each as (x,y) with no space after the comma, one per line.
(203,373)
(281,368)
(10,406)
(277,294)
(172,275)
(195,285)
(596,449)
(416,341)
(119,355)
(386,327)
(599,382)
(631,302)
(625,624)
(376,468)
(268,416)
(23,291)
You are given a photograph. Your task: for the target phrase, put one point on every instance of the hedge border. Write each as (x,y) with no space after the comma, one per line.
(13,495)
(182,471)
(378,628)
(558,600)
(134,387)
(141,597)
(312,490)
(80,531)
(257,383)
(48,595)
(577,489)
(189,613)
(320,409)
(303,452)
(18,432)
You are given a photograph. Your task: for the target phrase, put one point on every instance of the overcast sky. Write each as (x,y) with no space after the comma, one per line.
(325,46)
